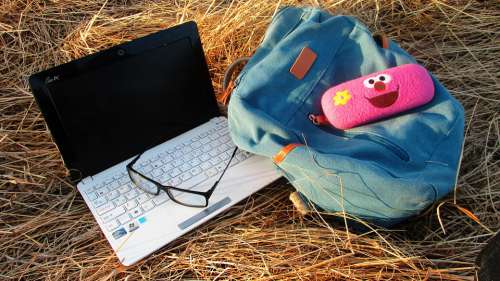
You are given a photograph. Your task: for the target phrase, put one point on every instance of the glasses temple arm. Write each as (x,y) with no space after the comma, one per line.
(223,172)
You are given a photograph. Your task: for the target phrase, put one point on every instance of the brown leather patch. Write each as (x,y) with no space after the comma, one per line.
(303,63)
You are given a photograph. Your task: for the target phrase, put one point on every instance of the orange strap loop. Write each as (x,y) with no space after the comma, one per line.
(281,155)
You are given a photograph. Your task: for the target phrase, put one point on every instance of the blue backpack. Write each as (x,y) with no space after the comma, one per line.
(382,172)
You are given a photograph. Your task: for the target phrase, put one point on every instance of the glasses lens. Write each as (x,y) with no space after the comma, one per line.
(189,199)
(143,183)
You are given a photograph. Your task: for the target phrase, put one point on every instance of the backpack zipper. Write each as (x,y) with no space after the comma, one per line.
(394,148)
(391,146)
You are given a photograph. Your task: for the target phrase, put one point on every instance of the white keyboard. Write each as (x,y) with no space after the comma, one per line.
(119,202)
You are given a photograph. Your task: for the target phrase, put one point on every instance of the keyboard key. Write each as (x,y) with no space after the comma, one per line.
(230,146)
(99,201)
(214,152)
(113,214)
(142,198)
(166,159)
(135,212)
(206,148)
(157,173)
(185,150)
(203,135)
(131,204)
(197,144)
(149,205)
(175,181)
(215,160)
(92,196)
(123,219)
(101,192)
(175,172)
(185,167)
(205,141)
(220,166)
(197,153)
(178,154)
(106,207)
(167,167)
(124,180)
(223,131)
(132,194)
(89,189)
(148,168)
(112,225)
(187,157)
(113,194)
(120,201)
(114,185)
(194,162)
(196,170)
(160,199)
(224,156)
(204,157)
(205,165)
(124,189)
(177,162)
(156,164)
(214,144)
(185,176)
(211,172)
(165,178)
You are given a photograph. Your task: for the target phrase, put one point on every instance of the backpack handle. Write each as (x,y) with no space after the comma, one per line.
(227,83)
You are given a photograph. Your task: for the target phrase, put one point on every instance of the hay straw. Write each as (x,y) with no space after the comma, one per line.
(47,232)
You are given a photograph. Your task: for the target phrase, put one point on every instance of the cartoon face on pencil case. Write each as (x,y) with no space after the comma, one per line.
(377,95)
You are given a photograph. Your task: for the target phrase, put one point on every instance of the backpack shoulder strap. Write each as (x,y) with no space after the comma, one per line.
(227,83)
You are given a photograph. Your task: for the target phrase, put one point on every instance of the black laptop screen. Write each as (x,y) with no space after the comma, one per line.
(120,109)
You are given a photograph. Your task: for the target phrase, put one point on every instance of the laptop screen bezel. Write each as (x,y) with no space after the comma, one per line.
(39,81)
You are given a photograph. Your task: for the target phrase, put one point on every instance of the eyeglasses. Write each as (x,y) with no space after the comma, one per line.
(186,197)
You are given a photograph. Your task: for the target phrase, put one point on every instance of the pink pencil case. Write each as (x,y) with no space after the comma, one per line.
(377,95)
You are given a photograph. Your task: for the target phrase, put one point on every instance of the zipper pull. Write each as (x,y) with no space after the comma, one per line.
(318,120)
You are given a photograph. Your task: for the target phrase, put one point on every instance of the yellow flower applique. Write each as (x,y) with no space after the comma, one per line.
(341,97)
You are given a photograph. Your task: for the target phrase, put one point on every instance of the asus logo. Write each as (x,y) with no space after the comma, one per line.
(51,79)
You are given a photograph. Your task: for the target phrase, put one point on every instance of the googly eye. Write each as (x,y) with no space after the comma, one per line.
(368,82)
(384,78)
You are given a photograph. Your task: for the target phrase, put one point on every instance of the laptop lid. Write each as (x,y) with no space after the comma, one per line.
(112,105)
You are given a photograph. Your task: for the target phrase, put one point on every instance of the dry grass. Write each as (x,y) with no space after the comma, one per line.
(46,231)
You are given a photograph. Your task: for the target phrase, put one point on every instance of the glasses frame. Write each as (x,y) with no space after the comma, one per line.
(166,188)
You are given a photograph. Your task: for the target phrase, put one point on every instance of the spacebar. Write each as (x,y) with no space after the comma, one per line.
(196,180)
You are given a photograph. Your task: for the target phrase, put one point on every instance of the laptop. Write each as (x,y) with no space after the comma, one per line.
(151,97)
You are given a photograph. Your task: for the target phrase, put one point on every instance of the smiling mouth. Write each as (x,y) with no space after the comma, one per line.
(385,100)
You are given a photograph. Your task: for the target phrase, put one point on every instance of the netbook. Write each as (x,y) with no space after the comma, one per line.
(151,97)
